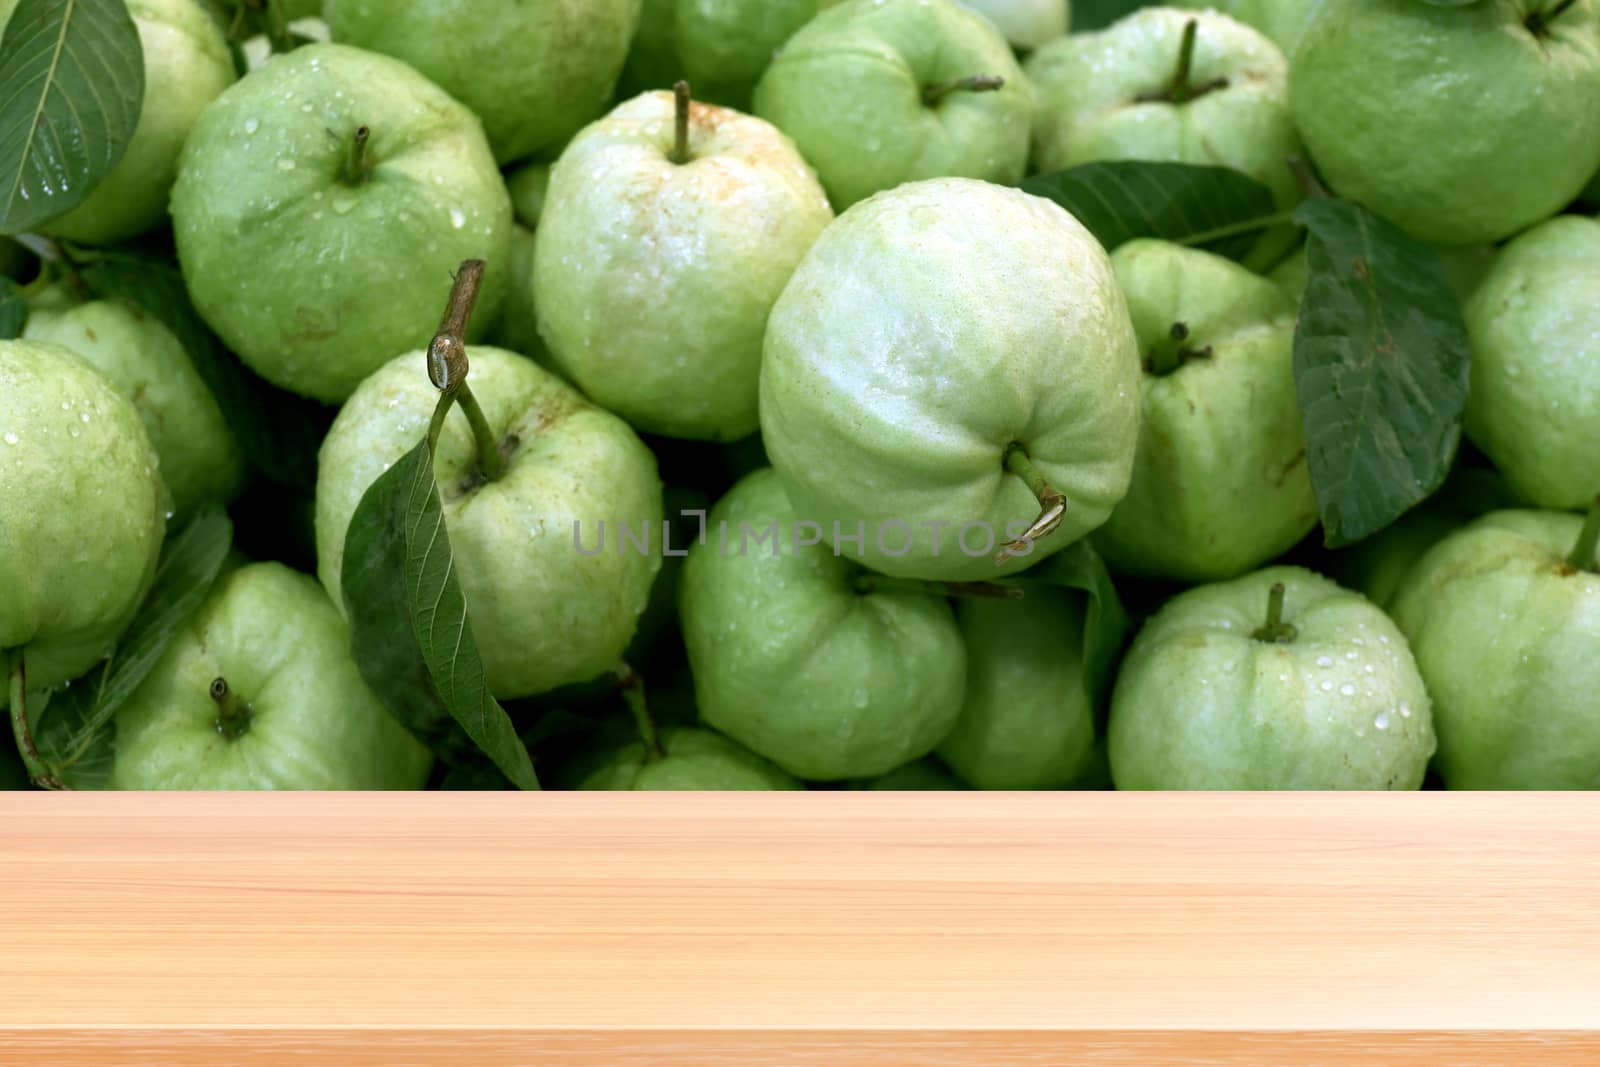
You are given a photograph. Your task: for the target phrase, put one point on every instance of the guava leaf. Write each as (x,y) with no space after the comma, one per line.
(13,310)
(1106,622)
(1106,627)
(409,625)
(73,730)
(73,78)
(1381,363)
(278,431)
(1215,208)
(13,775)
(1097,14)
(555,735)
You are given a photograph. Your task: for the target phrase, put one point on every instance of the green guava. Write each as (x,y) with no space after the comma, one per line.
(554,595)
(691,759)
(1026,721)
(200,460)
(1504,615)
(696,251)
(1126,92)
(1222,692)
(800,657)
(533,70)
(317,252)
(877,93)
(186,67)
(1220,484)
(1381,91)
(936,340)
(258,690)
(1534,402)
(721,46)
(82,514)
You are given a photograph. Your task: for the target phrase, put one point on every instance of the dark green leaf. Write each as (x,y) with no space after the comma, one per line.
(278,431)
(1097,14)
(17,261)
(480,776)
(1212,207)
(555,737)
(73,730)
(1106,622)
(409,628)
(13,775)
(13,309)
(73,77)
(1381,368)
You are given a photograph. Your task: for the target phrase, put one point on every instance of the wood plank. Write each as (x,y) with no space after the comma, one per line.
(850,917)
(803,1048)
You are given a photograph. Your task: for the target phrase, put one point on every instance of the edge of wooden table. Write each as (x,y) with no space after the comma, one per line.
(925,928)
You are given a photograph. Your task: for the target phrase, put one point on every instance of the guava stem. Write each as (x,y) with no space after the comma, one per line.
(490,460)
(1584,555)
(1180,77)
(1173,353)
(680,141)
(448,369)
(1540,21)
(233,714)
(632,686)
(1276,630)
(23,731)
(883,583)
(357,166)
(1310,185)
(447,352)
(1053,504)
(972,83)
(1178,90)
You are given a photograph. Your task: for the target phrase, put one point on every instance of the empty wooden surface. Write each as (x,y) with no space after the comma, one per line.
(920,929)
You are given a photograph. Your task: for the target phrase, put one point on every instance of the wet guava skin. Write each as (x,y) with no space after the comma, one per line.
(1534,402)
(544,613)
(282,256)
(793,661)
(691,760)
(200,460)
(82,515)
(1220,483)
(1088,87)
(848,88)
(1026,720)
(533,70)
(1380,88)
(927,331)
(281,647)
(697,251)
(1201,703)
(1507,634)
(186,66)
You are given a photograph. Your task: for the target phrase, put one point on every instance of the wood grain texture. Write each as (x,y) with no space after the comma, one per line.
(800,1048)
(932,928)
